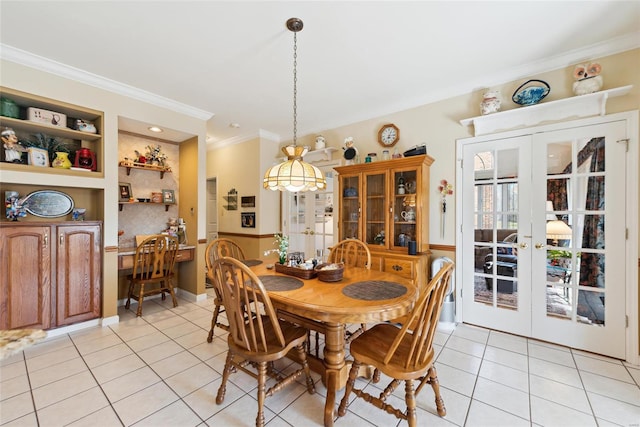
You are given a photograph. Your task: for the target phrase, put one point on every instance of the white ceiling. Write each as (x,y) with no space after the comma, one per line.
(356,60)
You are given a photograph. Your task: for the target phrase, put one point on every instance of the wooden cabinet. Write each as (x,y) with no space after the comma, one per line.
(386,205)
(52,274)
(25,282)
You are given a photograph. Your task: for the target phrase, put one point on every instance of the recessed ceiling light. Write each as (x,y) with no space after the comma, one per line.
(155,129)
(234,125)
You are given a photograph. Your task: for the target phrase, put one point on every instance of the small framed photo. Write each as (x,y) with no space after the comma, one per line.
(248,219)
(38,157)
(125,191)
(168,196)
(248,201)
(156,197)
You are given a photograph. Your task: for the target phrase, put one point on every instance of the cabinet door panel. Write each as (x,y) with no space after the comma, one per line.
(78,274)
(25,282)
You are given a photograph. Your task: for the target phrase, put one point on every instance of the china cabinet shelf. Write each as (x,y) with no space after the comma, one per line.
(592,104)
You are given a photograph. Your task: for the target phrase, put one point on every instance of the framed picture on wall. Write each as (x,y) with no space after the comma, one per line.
(125,191)
(248,201)
(168,196)
(248,219)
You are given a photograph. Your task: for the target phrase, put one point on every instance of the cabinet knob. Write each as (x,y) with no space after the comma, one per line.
(397,267)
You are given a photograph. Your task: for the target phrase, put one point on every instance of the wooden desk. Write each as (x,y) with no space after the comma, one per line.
(324,302)
(125,256)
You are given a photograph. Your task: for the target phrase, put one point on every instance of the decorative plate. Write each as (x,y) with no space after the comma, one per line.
(531,92)
(48,203)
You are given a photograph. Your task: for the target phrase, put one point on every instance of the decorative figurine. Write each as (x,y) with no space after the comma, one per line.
(320,142)
(12,148)
(490,102)
(588,78)
(13,206)
(350,152)
(85,126)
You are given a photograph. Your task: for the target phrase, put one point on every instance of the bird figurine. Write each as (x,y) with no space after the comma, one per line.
(587,78)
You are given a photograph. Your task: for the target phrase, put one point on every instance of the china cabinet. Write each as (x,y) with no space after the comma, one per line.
(386,205)
(52,274)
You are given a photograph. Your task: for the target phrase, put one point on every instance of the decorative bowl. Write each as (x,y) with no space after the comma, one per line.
(531,92)
(330,272)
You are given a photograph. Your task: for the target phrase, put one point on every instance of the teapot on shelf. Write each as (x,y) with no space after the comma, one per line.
(409,215)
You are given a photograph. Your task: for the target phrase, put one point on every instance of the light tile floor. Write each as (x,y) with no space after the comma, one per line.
(159,370)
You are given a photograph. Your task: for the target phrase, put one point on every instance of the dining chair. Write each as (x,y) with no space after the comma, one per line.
(402,353)
(153,264)
(217,249)
(353,253)
(256,335)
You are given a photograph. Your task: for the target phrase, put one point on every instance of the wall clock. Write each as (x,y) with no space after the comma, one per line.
(388,135)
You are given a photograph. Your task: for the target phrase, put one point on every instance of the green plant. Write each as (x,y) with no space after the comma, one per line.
(51,144)
(283,246)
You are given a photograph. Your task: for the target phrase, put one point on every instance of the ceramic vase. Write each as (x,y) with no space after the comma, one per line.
(62,160)
(490,103)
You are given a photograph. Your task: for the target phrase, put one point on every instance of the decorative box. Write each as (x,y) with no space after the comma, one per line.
(46,117)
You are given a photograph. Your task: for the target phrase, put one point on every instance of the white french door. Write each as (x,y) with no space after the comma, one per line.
(309,220)
(543,236)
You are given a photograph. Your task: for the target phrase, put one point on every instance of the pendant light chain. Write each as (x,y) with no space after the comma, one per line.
(295,87)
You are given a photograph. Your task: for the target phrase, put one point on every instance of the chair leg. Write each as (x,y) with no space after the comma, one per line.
(410,399)
(435,385)
(214,320)
(172,292)
(128,303)
(228,366)
(353,373)
(262,379)
(140,298)
(305,365)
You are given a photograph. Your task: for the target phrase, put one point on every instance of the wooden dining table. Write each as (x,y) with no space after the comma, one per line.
(362,296)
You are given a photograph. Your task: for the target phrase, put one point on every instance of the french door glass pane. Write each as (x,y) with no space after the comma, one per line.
(496,225)
(575,230)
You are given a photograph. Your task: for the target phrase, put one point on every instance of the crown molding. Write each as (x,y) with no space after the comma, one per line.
(28,59)
(262,134)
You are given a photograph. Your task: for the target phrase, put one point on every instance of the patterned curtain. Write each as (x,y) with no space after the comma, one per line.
(592,265)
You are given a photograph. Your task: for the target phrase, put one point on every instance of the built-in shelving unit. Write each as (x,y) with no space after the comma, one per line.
(27,128)
(593,104)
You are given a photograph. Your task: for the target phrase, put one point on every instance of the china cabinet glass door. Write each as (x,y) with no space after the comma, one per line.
(350,209)
(376,214)
(404,228)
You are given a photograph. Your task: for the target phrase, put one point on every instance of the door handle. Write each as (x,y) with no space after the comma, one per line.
(540,246)
(523,245)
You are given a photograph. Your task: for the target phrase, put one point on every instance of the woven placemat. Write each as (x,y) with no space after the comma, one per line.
(280,283)
(251,262)
(373,290)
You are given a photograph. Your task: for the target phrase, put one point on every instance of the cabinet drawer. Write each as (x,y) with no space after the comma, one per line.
(402,267)
(184,255)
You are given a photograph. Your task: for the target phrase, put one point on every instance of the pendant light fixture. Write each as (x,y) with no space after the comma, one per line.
(294,174)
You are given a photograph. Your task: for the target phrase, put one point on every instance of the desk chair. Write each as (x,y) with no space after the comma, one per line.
(153,264)
(403,354)
(258,340)
(353,253)
(217,249)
